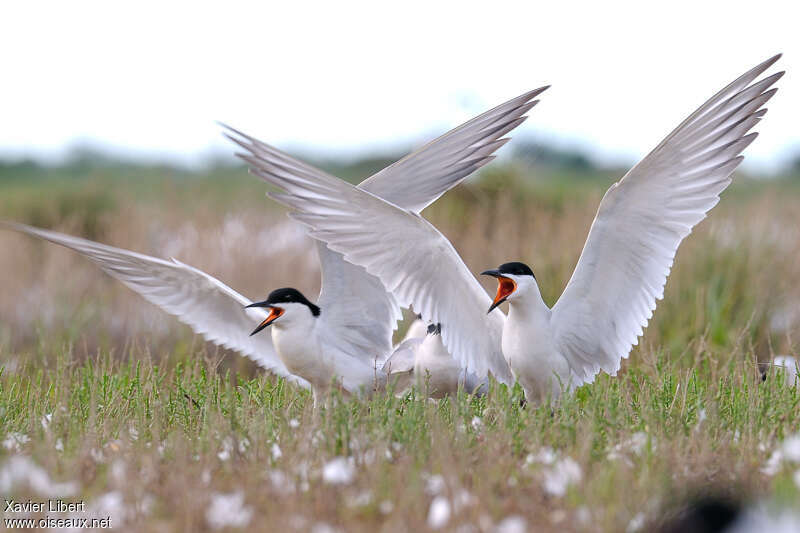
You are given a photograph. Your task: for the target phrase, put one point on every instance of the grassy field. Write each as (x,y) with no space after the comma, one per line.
(105,399)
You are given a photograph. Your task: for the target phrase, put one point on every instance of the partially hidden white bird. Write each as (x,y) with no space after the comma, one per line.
(620,274)
(424,362)
(345,337)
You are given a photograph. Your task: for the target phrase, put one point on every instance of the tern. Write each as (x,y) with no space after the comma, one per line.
(343,338)
(423,360)
(620,274)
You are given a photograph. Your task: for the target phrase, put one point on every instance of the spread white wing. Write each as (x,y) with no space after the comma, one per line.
(210,307)
(415,262)
(359,314)
(420,178)
(641,221)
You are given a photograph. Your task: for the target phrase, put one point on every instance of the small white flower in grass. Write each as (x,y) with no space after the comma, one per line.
(462,499)
(773,464)
(18,470)
(636,523)
(46,419)
(322,527)
(15,440)
(244,444)
(560,476)
(476,423)
(439,513)
(276,451)
(294,423)
(227,449)
(787,451)
(545,456)
(339,471)
(119,471)
(110,504)
(59,445)
(281,482)
(512,524)
(362,499)
(434,485)
(228,510)
(634,444)
(791,448)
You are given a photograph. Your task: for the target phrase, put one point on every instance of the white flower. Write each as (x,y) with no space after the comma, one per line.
(546,456)
(438,513)
(512,524)
(339,471)
(636,523)
(15,440)
(560,476)
(227,449)
(19,470)
(294,423)
(228,510)
(791,448)
(276,451)
(434,485)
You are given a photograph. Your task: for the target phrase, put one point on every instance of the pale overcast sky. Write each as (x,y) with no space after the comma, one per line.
(151,78)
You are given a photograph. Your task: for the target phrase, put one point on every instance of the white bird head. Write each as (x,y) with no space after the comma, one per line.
(286,304)
(513,280)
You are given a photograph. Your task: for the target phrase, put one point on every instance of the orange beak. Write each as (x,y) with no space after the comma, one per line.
(505,286)
(274,313)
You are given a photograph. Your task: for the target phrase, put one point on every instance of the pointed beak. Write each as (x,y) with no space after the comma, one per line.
(274,313)
(505,286)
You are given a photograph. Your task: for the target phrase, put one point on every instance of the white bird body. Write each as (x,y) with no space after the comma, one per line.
(620,274)
(529,348)
(426,363)
(417,330)
(296,340)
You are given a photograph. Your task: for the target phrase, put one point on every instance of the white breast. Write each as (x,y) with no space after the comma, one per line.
(530,352)
(300,351)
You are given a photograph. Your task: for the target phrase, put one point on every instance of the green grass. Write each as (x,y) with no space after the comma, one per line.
(706,429)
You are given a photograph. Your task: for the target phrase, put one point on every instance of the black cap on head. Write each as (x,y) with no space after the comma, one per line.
(285,296)
(516,268)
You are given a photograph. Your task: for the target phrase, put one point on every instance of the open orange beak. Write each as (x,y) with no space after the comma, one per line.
(505,286)
(274,313)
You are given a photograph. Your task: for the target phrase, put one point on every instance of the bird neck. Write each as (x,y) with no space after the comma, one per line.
(528,304)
